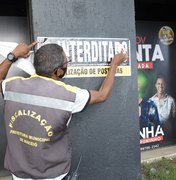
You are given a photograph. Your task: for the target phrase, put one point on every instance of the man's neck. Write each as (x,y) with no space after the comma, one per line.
(161,95)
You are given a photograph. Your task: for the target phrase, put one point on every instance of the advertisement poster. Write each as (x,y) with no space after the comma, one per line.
(90,57)
(156,61)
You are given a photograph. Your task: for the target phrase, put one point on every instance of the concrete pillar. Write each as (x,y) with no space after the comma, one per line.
(107,135)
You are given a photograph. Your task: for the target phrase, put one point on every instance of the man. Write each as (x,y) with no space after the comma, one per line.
(38,110)
(166,108)
(164,102)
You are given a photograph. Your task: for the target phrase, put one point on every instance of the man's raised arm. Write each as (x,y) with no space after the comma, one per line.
(97,96)
(21,51)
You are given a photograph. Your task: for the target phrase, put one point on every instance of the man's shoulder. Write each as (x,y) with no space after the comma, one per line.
(67,86)
(170,98)
(154,97)
(13,78)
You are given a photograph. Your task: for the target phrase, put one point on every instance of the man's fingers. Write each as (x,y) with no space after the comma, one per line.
(25,56)
(32,44)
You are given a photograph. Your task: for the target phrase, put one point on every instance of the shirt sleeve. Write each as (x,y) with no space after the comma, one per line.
(82,99)
(3,86)
(173,108)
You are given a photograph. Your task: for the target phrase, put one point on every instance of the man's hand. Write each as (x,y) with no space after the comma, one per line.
(97,96)
(22,50)
(119,58)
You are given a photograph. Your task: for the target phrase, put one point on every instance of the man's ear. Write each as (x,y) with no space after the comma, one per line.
(58,72)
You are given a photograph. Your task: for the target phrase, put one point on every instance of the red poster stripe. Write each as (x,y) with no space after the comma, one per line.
(145,65)
(152,139)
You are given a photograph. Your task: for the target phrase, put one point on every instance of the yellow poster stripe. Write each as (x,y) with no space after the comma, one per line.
(95,71)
